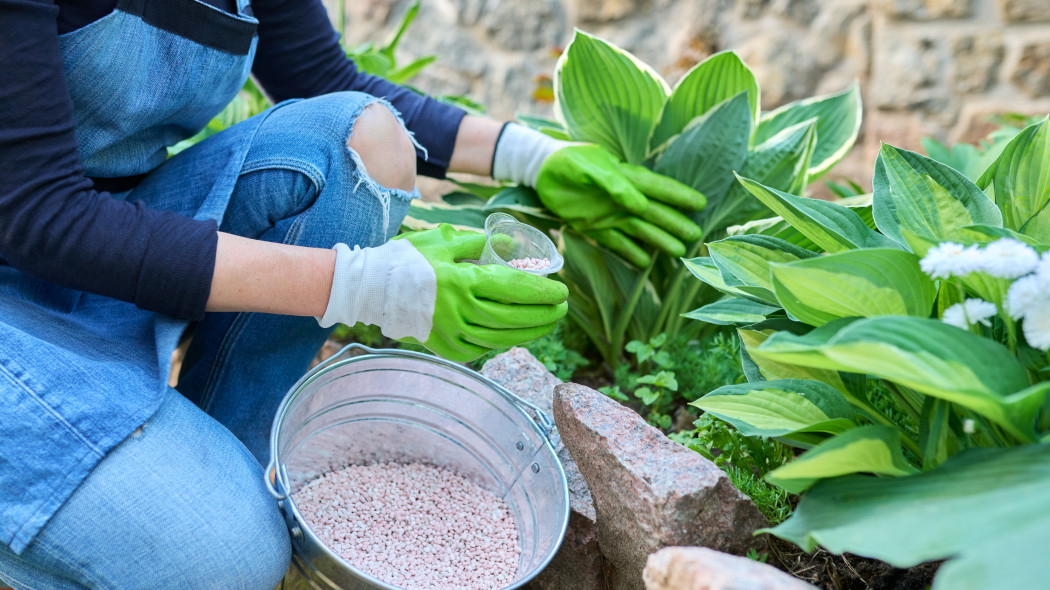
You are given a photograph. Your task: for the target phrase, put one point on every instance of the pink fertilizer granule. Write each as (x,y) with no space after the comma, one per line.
(530,263)
(415,526)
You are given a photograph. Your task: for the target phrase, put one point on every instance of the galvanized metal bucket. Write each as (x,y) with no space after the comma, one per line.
(365,405)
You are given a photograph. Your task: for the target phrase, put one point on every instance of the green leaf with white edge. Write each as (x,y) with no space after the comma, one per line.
(546,126)
(745,260)
(704,269)
(866,449)
(838,123)
(772,370)
(832,227)
(855,283)
(794,410)
(605,95)
(732,311)
(984,510)
(463,199)
(717,78)
(427,215)
(1020,181)
(927,198)
(519,198)
(714,145)
(780,162)
(926,355)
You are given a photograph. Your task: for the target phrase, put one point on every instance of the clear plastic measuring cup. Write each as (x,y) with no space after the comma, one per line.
(520,246)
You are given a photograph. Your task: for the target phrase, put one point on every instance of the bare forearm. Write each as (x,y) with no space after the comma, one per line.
(253,275)
(475,144)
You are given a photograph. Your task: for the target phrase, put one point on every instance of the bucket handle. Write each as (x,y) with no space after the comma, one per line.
(270,477)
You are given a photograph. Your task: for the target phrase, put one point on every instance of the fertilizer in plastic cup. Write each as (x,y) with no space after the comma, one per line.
(519,245)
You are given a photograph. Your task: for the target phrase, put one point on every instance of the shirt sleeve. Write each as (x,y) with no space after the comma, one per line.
(52,224)
(299,56)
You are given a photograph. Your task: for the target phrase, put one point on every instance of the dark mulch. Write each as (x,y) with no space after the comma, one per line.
(846,571)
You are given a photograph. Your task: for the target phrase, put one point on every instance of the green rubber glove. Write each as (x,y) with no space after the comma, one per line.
(621,206)
(480,308)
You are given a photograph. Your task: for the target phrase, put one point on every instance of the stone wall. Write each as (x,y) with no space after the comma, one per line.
(926,67)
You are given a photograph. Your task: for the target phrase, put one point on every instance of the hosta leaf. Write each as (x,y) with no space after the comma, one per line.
(832,227)
(931,200)
(838,122)
(926,355)
(792,409)
(704,269)
(867,449)
(854,283)
(711,148)
(745,260)
(984,510)
(1020,181)
(780,162)
(731,311)
(605,95)
(426,215)
(717,78)
(519,198)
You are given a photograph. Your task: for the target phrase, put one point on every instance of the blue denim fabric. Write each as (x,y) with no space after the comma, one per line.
(128,113)
(180,504)
(79,372)
(301,185)
(298,183)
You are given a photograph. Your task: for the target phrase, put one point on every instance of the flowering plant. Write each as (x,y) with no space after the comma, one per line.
(901,344)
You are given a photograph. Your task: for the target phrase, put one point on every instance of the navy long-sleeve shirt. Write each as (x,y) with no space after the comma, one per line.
(55,226)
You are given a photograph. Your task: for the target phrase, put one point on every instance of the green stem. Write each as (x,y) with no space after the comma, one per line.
(905,401)
(627,313)
(674,292)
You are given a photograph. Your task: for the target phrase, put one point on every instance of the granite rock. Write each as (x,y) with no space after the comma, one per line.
(649,492)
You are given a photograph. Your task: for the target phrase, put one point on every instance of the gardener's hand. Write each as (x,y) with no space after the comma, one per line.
(619,205)
(415,290)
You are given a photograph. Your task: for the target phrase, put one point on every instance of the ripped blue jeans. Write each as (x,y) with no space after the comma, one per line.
(182,503)
(300,185)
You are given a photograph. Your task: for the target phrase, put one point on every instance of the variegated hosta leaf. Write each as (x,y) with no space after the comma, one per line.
(832,227)
(926,355)
(856,283)
(838,122)
(1019,181)
(605,95)
(717,78)
(867,449)
(915,194)
(984,510)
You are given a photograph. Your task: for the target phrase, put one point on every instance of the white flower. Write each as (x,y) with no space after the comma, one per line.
(969,426)
(948,259)
(969,313)
(1008,258)
(1037,326)
(1024,293)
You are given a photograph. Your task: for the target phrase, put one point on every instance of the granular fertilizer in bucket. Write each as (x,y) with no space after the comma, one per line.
(413,525)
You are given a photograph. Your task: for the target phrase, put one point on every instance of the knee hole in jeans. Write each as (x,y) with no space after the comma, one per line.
(384,147)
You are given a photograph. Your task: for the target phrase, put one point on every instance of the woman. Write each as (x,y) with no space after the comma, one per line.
(265,236)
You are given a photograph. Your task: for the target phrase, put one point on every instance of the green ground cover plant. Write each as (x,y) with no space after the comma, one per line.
(699,132)
(900,345)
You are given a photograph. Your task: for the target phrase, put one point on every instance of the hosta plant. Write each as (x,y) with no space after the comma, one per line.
(701,131)
(902,347)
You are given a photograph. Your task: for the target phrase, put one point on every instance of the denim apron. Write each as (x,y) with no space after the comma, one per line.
(80,372)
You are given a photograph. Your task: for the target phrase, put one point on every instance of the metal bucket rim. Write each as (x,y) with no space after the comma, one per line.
(341,358)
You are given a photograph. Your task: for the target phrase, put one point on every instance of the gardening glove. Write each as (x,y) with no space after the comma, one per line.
(415,290)
(621,206)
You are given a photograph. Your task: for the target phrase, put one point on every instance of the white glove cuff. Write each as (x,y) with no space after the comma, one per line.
(520,152)
(391,286)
